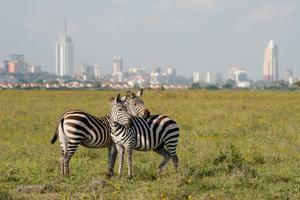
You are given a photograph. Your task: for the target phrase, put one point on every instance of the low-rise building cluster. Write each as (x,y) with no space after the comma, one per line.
(17,64)
(84,85)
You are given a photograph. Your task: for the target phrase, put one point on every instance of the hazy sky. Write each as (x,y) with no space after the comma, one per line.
(189,35)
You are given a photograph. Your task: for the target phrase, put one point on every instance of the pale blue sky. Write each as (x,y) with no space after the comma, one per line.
(189,35)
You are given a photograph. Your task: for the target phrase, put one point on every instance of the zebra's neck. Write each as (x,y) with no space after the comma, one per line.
(106,118)
(114,125)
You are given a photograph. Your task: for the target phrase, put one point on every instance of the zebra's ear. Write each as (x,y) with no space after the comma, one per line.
(140,93)
(118,99)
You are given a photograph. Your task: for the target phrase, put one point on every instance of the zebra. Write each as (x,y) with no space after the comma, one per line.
(135,105)
(77,127)
(158,133)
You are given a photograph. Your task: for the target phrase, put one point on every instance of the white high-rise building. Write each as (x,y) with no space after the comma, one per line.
(117,69)
(64,55)
(196,77)
(117,66)
(240,75)
(270,72)
(208,77)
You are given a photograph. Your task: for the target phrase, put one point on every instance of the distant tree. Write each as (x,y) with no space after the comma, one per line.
(279,85)
(283,85)
(183,80)
(227,86)
(196,86)
(39,81)
(231,82)
(297,84)
(211,87)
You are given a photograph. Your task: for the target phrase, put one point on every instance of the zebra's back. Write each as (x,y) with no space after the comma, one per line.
(157,130)
(85,129)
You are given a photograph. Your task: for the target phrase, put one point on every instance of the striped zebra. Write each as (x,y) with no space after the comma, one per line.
(135,105)
(77,127)
(158,133)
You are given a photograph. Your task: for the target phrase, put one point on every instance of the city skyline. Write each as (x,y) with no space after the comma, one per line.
(186,35)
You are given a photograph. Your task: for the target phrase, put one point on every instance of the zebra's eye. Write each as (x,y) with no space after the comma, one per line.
(119,109)
(134,104)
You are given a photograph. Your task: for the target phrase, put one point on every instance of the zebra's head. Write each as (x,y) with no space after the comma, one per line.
(119,113)
(135,105)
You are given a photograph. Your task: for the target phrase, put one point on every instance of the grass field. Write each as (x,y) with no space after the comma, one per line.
(233,145)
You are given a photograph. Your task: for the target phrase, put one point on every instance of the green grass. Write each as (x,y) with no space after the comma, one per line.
(233,145)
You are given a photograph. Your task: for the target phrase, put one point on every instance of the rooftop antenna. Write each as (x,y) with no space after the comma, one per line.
(66,27)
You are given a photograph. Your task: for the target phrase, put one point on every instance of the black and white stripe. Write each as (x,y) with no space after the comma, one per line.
(135,105)
(77,127)
(158,133)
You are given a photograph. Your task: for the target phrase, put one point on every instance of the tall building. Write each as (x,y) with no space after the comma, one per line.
(12,67)
(5,65)
(137,70)
(270,71)
(33,69)
(93,73)
(240,75)
(196,77)
(117,66)
(64,55)
(171,75)
(98,73)
(17,57)
(237,74)
(155,76)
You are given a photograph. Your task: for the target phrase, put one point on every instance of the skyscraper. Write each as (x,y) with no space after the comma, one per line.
(270,72)
(196,77)
(117,66)
(64,55)
(171,73)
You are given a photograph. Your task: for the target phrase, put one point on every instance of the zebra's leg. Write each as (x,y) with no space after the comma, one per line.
(163,152)
(62,162)
(172,151)
(175,162)
(112,153)
(129,152)
(121,158)
(72,146)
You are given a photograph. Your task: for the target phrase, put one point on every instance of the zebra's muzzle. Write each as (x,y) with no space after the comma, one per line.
(129,124)
(146,113)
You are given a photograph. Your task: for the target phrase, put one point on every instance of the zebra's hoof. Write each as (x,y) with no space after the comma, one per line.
(129,177)
(109,174)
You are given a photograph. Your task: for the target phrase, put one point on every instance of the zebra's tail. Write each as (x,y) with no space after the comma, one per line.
(54,137)
(55,134)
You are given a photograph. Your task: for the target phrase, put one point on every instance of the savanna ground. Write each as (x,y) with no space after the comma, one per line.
(233,145)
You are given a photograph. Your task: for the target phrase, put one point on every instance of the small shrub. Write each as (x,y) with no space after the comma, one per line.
(231,161)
